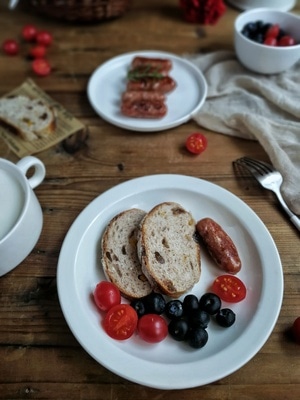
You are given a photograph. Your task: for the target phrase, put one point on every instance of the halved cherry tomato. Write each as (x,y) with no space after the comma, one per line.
(38,51)
(106,295)
(152,328)
(44,38)
(10,47)
(29,32)
(196,143)
(41,67)
(270,41)
(296,330)
(120,322)
(229,288)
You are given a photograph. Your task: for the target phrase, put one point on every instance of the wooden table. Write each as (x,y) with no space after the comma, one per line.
(40,358)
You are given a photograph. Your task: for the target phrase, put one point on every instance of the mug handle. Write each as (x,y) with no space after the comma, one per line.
(39,170)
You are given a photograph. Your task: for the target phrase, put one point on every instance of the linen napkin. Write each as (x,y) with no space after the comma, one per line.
(258,107)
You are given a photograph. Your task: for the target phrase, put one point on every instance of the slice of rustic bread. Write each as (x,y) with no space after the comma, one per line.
(29,118)
(119,254)
(169,255)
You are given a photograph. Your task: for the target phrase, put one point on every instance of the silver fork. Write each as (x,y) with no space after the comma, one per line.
(270,179)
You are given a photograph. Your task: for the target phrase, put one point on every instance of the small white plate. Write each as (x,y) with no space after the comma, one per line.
(108,82)
(170,364)
(280,5)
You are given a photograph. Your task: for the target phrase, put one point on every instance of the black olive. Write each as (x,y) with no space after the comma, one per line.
(210,302)
(154,303)
(178,329)
(199,318)
(197,337)
(190,303)
(225,317)
(139,306)
(174,309)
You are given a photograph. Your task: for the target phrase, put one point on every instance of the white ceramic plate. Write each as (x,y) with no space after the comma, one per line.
(281,5)
(170,364)
(108,82)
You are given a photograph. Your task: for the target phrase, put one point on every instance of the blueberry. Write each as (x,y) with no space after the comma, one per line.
(174,309)
(139,306)
(199,318)
(197,338)
(225,317)
(154,303)
(190,303)
(210,302)
(178,329)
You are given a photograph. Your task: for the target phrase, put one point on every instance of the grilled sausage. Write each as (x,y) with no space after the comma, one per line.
(164,85)
(143,105)
(219,245)
(160,64)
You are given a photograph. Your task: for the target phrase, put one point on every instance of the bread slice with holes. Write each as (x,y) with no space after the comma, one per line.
(167,249)
(28,118)
(120,261)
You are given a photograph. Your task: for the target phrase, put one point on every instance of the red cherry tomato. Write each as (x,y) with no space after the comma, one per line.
(41,67)
(152,328)
(273,31)
(38,51)
(296,330)
(120,322)
(270,41)
(229,288)
(196,143)
(29,33)
(106,295)
(44,38)
(10,47)
(286,41)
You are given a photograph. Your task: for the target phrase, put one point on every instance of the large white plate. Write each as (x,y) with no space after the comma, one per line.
(170,364)
(108,82)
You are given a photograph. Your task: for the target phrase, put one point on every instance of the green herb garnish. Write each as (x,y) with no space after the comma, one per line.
(144,72)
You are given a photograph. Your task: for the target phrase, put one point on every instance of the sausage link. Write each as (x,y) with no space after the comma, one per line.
(160,64)
(164,85)
(143,105)
(219,245)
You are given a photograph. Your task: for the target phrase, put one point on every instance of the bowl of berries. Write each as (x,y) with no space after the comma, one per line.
(267,41)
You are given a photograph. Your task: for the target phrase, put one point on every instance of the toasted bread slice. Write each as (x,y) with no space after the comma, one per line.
(119,254)
(169,255)
(30,118)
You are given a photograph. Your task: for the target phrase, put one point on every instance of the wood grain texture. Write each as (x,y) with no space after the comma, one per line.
(40,358)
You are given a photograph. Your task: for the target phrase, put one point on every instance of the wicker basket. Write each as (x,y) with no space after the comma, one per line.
(81,10)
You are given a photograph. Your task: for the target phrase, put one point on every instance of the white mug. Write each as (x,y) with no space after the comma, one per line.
(21,216)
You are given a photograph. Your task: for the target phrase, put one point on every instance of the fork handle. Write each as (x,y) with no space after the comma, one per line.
(293,218)
(296,221)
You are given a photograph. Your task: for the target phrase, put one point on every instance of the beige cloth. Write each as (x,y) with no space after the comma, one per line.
(265,108)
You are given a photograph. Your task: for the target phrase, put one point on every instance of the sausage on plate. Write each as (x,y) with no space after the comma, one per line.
(164,84)
(219,245)
(160,64)
(138,104)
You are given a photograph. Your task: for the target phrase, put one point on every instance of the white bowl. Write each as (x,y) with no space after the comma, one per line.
(262,58)
(283,5)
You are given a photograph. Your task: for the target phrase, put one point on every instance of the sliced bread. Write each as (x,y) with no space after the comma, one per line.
(119,254)
(30,118)
(168,252)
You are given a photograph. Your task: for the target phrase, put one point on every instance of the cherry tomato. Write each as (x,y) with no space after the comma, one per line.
(286,41)
(273,31)
(152,328)
(296,330)
(196,143)
(10,47)
(44,38)
(229,288)
(270,41)
(41,67)
(106,295)
(29,33)
(120,322)
(38,51)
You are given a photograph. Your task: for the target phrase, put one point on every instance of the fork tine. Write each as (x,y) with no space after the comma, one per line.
(255,167)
